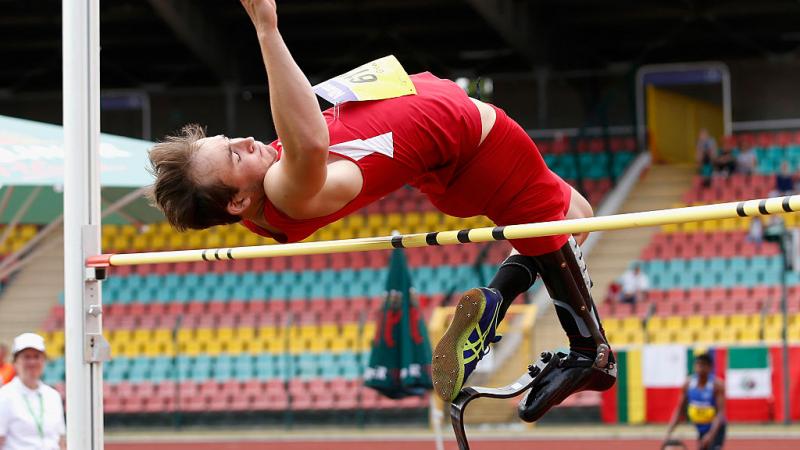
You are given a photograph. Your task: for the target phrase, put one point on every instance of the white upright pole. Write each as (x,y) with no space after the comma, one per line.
(85,348)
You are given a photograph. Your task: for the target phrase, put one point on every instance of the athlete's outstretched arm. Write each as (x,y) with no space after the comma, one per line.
(295,111)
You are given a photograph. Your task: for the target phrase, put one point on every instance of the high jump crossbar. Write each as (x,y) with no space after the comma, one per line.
(749,208)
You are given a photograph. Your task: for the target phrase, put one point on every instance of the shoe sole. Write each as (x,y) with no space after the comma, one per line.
(447,367)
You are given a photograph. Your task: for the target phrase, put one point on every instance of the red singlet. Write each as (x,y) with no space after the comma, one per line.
(430,141)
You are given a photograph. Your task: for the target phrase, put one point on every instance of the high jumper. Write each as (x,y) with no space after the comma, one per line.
(467,156)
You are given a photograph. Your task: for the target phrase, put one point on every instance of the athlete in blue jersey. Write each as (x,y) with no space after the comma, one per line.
(703,403)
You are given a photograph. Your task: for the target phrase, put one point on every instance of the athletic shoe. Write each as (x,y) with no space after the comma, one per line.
(575,373)
(466,341)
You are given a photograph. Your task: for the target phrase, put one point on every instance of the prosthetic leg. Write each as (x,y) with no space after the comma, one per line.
(590,364)
(546,365)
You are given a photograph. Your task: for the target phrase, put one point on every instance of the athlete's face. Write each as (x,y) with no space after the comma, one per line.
(701,368)
(240,163)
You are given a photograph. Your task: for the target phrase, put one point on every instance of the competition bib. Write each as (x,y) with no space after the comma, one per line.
(701,414)
(376,80)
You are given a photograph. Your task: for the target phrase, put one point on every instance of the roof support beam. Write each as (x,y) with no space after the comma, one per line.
(513,21)
(199,33)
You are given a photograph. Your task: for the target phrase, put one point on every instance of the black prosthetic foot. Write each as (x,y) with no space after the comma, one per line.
(574,373)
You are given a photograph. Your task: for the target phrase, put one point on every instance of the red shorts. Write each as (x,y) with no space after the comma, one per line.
(507,180)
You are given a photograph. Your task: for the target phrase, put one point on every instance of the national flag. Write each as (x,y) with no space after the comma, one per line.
(664,373)
(748,383)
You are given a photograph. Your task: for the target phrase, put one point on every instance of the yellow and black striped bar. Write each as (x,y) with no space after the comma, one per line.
(749,208)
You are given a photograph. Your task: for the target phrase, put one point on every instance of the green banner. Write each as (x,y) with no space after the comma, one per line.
(399,364)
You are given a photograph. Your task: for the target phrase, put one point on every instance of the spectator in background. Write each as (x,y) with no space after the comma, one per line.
(6,368)
(746,162)
(31,413)
(784,181)
(634,284)
(756,232)
(725,163)
(706,156)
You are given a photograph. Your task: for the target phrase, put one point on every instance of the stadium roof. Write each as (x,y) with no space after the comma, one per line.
(178,43)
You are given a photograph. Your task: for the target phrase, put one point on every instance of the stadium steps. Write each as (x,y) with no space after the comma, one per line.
(661,186)
(26,302)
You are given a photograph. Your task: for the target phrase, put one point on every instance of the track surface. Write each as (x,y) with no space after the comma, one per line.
(477,444)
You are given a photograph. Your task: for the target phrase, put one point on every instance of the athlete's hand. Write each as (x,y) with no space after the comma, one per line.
(263,13)
(705,443)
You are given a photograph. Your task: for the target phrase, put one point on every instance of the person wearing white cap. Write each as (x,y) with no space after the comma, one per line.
(31,412)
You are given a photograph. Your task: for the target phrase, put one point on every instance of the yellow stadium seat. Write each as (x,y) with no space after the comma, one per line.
(256,346)
(710,225)
(176,241)
(395,220)
(773,334)
(635,337)
(413,220)
(122,335)
(225,334)
(750,335)
(658,336)
(621,338)
(374,221)
(793,334)
(120,242)
(185,335)
(631,324)
(695,322)
(245,333)
(706,335)
(235,346)
(367,335)
(612,324)
(325,234)
(690,227)
(142,335)
(773,321)
(431,220)
(740,321)
(612,338)
(204,334)
(729,225)
(269,332)
(128,230)
(717,321)
(653,323)
(152,348)
(670,228)
(191,348)
(118,347)
(674,323)
(687,336)
(214,347)
(139,242)
(728,335)
(162,335)
(158,241)
(168,348)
